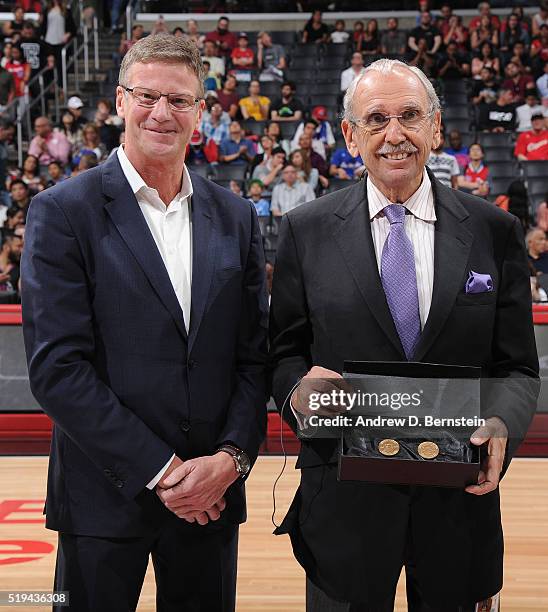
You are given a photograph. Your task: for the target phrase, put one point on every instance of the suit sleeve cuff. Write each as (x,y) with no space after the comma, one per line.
(159,475)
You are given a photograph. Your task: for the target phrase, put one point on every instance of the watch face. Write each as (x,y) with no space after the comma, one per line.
(244,463)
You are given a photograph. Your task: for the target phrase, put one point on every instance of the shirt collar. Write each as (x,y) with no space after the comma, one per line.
(420,204)
(137,183)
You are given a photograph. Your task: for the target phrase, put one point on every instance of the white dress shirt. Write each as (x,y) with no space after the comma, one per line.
(171,228)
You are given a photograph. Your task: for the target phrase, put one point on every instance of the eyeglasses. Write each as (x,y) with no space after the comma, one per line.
(149,97)
(412,119)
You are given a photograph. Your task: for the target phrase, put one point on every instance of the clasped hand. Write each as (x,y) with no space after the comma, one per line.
(194,489)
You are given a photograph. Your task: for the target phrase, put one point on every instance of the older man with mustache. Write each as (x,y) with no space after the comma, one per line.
(378,272)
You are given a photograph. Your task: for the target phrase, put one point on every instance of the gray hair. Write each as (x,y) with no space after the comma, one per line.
(164,48)
(385,66)
(531,233)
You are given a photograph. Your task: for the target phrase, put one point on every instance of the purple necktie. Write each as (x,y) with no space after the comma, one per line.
(399,280)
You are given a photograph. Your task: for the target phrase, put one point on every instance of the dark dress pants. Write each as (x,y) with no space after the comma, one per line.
(195,570)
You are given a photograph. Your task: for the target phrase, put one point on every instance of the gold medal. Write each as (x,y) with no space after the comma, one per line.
(389,447)
(428,450)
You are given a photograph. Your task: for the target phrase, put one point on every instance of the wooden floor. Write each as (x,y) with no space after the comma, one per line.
(269,579)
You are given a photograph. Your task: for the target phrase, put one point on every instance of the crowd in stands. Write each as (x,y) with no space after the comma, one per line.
(270,130)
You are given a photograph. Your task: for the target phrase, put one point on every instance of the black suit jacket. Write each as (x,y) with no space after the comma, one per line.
(328,306)
(110,359)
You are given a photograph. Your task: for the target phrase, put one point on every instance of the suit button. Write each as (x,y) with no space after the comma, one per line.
(191,364)
(119,483)
(184,426)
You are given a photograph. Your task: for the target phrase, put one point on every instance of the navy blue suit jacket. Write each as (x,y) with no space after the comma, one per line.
(110,359)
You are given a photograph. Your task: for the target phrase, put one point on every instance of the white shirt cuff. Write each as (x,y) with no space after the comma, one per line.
(159,475)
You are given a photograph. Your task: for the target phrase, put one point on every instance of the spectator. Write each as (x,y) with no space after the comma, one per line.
(393,40)
(228,96)
(305,172)
(539,50)
(348,75)
(48,144)
(484,9)
(20,196)
(264,152)
(542,84)
(344,166)
(5,132)
(309,128)
(14,27)
(212,81)
(86,161)
(454,31)
(74,107)
(20,72)
(243,58)
(324,131)
(178,32)
(370,39)
(254,195)
(160,26)
(499,116)
(270,58)
(485,90)
(527,110)
(13,217)
(513,33)
(235,149)
(453,64)
(290,193)
(255,106)
(536,249)
(109,124)
(215,124)
(357,35)
(475,178)
(222,38)
(137,32)
(517,202)
(31,174)
(236,188)
(10,258)
(427,32)
(34,50)
(193,33)
(533,145)
(6,54)
(316,160)
(287,107)
(422,59)
(459,151)
(7,89)
(442,20)
(339,36)
(91,144)
(269,170)
(55,173)
(72,132)
(483,32)
(524,20)
(274,131)
(485,59)
(538,294)
(216,63)
(444,166)
(540,18)
(517,82)
(315,30)
(57,28)
(520,56)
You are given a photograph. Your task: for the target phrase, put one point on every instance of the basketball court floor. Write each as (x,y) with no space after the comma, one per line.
(269,579)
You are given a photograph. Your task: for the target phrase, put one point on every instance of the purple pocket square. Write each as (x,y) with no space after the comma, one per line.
(478,283)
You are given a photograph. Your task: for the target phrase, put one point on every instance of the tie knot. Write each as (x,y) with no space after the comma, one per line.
(395,213)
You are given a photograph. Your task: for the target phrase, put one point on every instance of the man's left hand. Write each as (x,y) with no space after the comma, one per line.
(198,484)
(495,433)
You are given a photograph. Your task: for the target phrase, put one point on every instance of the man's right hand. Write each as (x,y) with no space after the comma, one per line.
(319,380)
(202,518)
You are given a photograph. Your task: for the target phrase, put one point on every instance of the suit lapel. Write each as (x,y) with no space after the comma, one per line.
(452,244)
(124,211)
(204,245)
(352,234)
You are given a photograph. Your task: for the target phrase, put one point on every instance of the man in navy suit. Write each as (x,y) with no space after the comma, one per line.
(144,308)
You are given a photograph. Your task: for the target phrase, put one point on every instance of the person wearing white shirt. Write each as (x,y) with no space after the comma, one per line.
(348,75)
(526,111)
(542,83)
(290,193)
(144,320)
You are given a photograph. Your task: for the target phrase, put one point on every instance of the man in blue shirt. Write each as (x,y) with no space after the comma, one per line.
(344,166)
(235,149)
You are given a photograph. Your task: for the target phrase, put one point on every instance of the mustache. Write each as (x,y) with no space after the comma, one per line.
(404,147)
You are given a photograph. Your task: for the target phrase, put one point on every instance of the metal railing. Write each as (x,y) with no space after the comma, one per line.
(23,113)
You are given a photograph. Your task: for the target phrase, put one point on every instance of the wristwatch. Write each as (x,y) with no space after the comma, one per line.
(241,460)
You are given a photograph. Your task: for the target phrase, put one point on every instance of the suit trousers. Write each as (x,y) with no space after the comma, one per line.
(194,567)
